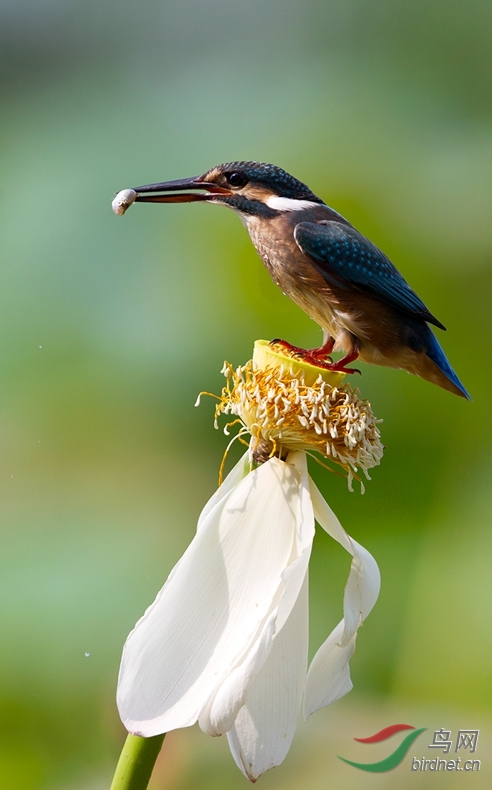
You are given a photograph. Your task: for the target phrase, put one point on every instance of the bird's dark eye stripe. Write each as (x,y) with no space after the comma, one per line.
(236,179)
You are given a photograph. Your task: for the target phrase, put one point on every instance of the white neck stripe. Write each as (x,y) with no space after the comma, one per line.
(289,204)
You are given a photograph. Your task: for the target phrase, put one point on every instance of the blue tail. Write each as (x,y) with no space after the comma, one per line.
(437,355)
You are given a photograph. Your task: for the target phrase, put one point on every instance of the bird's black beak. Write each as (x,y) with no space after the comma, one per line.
(144,192)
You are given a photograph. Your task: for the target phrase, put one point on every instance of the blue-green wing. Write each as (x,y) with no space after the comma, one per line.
(347,259)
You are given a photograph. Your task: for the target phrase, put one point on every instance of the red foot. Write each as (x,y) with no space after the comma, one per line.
(324,350)
(316,356)
(305,354)
(340,365)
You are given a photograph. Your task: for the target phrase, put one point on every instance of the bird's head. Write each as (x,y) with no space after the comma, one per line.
(250,188)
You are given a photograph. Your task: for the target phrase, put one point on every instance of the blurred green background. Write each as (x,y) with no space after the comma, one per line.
(111,326)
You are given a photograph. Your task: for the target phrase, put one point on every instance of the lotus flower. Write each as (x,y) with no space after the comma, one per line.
(225,643)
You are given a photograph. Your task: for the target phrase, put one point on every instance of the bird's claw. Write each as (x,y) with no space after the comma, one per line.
(344,369)
(304,354)
(315,357)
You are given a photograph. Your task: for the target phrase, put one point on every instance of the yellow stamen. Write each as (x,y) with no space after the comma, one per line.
(287,404)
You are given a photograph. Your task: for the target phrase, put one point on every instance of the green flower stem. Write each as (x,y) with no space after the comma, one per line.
(136,762)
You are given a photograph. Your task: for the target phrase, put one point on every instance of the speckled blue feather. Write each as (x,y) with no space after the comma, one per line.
(347,259)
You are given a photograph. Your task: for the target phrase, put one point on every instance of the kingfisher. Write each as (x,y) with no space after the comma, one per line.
(331,271)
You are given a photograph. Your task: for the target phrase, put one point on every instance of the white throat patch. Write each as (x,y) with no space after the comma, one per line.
(289,204)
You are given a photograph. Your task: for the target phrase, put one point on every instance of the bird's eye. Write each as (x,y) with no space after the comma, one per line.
(236,179)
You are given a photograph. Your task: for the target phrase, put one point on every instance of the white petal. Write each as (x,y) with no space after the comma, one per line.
(295,574)
(361,591)
(264,728)
(214,606)
(223,706)
(329,676)
(233,478)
